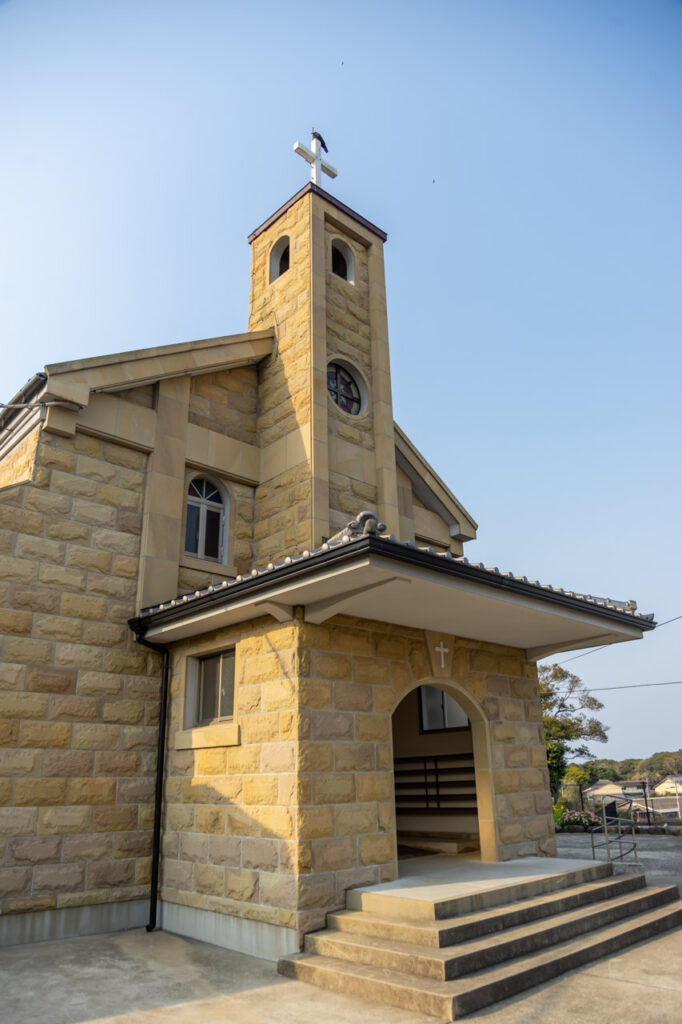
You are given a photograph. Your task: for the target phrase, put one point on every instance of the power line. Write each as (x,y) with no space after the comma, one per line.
(628,686)
(633,686)
(604,646)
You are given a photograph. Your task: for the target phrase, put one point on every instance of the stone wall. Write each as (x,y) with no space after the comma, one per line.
(18,464)
(352,458)
(276,826)
(226,402)
(78,698)
(283,498)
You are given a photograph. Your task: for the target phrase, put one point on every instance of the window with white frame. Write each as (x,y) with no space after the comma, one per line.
(215,687)
(205,520)
(440,711)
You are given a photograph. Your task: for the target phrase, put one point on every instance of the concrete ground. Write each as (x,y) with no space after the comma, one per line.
(139,978)
(659,856)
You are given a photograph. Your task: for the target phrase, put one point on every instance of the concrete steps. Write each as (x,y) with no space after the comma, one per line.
(428,909)
(448,931)
(451,966)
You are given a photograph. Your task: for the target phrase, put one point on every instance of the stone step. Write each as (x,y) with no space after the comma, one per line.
(516,976)
(384,903)
(468,957)
(448,846)
(434,934)
(453,999)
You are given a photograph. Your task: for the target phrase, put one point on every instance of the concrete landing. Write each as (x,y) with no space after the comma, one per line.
(439,885)
(440,876)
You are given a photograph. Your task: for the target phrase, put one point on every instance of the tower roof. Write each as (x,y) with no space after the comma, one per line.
(310,187)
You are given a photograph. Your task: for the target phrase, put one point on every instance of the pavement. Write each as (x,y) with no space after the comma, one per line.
(659,856)
(139,978)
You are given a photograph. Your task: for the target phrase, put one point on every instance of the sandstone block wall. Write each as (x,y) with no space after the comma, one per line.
(18,465)
(78,698)
(226,402)
(283,498)
(278,826)
(352,456)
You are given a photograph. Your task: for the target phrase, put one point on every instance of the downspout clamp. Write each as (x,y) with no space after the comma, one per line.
(158,793)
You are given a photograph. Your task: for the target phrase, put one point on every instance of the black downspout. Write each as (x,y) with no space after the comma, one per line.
(158,794)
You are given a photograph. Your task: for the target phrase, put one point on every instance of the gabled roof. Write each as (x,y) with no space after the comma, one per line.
(122,370)
(430,489)
(65,388)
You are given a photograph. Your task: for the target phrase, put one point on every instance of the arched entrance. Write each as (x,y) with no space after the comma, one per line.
(442,772)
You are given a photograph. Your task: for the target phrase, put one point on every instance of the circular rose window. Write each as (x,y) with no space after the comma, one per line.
(344,388)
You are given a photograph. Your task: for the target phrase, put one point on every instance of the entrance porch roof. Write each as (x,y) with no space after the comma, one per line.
(378,577)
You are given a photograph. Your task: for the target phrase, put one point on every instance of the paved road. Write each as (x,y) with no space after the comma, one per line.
(136,978)
(659,856)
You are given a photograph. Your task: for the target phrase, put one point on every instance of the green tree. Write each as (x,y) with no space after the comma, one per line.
(567,719)
(556,762)
(579,775)
(603,769)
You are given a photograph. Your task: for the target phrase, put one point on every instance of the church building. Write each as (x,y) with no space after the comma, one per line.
(244,659)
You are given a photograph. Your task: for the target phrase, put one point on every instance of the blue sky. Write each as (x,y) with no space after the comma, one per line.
(524,159)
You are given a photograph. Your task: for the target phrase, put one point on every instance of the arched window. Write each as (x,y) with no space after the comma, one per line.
(205,526)
(343,262)
(279,258)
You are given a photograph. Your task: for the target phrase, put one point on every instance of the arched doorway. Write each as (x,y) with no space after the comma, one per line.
(441,773)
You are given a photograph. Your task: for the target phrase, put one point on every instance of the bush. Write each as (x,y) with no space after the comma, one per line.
(559,808)
(585,819)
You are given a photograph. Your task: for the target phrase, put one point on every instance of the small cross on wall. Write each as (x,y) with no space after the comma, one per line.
(314,158)
(442,650)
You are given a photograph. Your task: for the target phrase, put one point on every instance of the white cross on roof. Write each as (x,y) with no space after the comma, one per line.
(314,158)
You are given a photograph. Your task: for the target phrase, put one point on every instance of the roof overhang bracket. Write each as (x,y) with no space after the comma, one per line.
(536,653)
(278,610)
(319,611)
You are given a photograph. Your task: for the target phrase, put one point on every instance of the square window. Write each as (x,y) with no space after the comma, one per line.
(215,687)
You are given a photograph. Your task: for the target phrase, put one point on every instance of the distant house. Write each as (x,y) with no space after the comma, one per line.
(603,788)
(606,788)
(633,788)
(655,808)
(669,785)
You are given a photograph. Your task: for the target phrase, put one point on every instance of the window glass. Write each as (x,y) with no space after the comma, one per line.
(226,708)
(216,687)
(343,389)
(192,530)
(205,523)
(440,711)
(208,688)
(212,542)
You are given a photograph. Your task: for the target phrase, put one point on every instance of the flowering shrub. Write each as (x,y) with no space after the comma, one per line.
(558,809)
(586,819)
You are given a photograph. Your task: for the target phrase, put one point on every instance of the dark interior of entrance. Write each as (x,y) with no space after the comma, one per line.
(435,786)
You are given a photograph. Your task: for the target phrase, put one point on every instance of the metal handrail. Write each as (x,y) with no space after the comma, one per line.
(608,821)
(422,783)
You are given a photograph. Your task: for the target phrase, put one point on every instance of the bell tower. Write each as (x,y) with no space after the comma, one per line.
(326,417)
